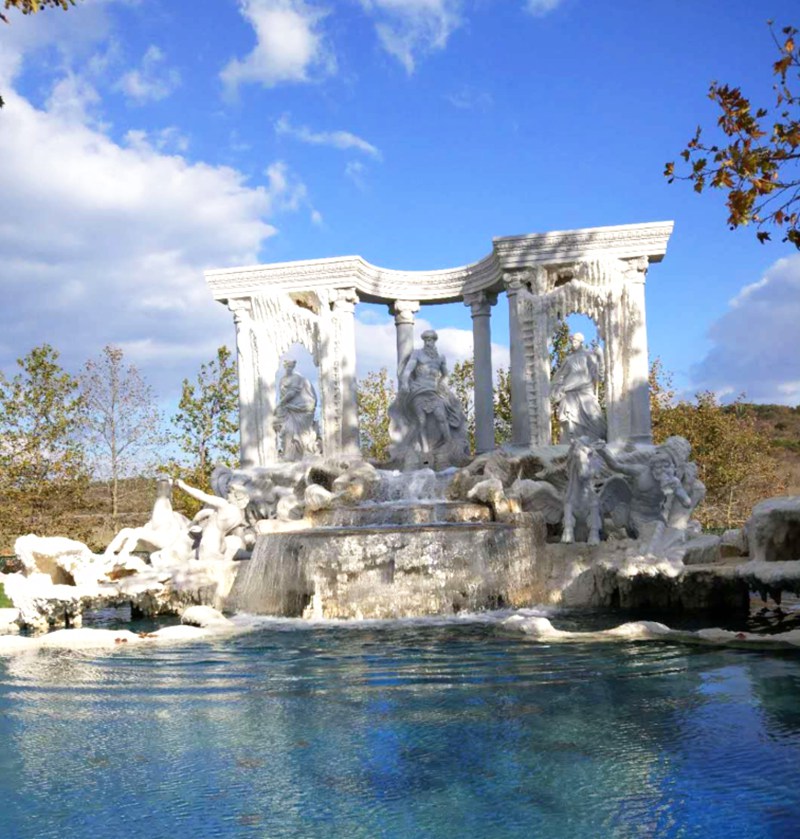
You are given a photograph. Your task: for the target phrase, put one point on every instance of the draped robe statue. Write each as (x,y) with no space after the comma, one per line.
(573,389)
(294,416)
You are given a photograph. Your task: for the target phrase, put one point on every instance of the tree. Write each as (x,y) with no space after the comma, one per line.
(28,7)
(121,421)
(374,394)
(756,161)
(462,383)
(207,420)
(732,456)
(41,454)
(502,406)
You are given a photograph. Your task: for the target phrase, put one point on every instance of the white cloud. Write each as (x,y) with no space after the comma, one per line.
(336,139)
(469,98)
(355,171)
(756,343)
(289,45)
(106,243)
(151,81)
(409,29)
(539,8)
(376,344)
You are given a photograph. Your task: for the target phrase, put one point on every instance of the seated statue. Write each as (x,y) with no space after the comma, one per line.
(219,525)
(294,416)
(573,390)
(165,527)
(427,417)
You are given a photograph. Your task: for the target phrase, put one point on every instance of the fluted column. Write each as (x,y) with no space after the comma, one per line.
(520,421)
(403,311)
(638,363)
(245,368)
(480,304)
(344,304)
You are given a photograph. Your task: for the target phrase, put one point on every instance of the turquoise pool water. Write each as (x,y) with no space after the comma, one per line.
(400,730)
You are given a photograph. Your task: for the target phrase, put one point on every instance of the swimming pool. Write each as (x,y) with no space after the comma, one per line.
(415,729)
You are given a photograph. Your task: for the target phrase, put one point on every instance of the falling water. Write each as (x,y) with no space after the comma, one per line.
(419,485)
(274,581)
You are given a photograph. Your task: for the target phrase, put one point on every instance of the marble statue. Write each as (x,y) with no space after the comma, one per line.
(219,525)
(294,415)
(658,494)
(165,528)
(427,418)
(573,389)
(582,503)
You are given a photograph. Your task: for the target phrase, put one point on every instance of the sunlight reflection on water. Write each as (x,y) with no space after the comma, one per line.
(394,730)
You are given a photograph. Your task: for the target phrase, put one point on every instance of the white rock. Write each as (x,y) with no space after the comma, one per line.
(40,554)
(204,616)
(773,530)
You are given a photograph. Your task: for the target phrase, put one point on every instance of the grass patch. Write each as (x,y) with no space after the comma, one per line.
(5,603)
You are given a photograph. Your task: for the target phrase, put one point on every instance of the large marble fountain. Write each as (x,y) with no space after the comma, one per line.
(305,527)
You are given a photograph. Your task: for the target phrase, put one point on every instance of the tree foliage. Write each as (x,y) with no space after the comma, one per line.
(374,394)
(42,466)
(462,383)
(207,421)
(732,455)
(121,421)
(756,160)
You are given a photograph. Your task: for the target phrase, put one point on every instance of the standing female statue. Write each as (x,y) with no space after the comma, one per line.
(573,389)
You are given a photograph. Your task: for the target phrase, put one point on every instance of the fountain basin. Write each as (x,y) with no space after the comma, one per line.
(389,571)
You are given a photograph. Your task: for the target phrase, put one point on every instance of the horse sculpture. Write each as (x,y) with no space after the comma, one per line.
(581,500)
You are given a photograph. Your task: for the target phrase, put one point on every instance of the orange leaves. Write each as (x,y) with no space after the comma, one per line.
(756,166)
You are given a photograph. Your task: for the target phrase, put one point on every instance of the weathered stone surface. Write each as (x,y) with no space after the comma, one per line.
(773,530)
(391,572)
(418,512)
(617,575)
(702,550)
(490,491)
(204,616)
(733,543)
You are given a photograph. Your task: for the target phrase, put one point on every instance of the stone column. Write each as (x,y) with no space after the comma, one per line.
(344,304)
(638,362)
(249,432)
(520,421)
(403,311)
(480,304)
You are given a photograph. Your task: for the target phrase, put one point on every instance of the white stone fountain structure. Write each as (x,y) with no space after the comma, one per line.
(334,537)
(481,546)
(599,272)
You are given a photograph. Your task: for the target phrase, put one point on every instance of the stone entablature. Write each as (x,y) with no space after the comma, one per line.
(383,285)
(599,272)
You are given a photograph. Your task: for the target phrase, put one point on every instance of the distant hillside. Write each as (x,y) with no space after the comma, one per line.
(781,425)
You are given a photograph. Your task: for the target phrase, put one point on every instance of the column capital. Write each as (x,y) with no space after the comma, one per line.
(480,303)
(514,281)
(404,311)
(637,269)
(242,307)
(344,300)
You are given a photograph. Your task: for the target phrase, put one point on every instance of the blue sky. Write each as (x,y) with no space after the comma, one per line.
(143,141)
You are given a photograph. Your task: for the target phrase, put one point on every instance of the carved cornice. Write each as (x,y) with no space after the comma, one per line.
(627,241)
(383,285)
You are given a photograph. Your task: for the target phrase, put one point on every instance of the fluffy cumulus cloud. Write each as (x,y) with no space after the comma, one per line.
(376,343)
(105,242)
(409,29)
(756,343)
(151,81)
(344,140)
(290,46)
